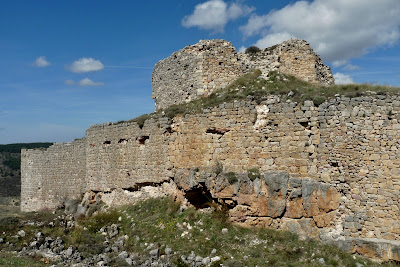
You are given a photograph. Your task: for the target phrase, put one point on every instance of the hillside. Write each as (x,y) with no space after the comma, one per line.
(157,232)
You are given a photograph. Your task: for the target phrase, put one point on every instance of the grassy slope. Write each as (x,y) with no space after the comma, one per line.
(8,259)
(160,221)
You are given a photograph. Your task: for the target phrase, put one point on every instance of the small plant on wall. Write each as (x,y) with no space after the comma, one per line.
(231,177)
(253,174)
(218,168)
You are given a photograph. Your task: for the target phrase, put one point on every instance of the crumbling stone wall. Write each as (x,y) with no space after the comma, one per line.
(195,71)
(294,57)
(330,172)
(200,69)
(49,176)
(126,155)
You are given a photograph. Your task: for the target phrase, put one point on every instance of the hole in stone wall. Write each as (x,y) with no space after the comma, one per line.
(142,139)
(168,130)
(214,130)
(220,63)
(199,196)
(304,123)
(334,164)
(106,142)
(122,141)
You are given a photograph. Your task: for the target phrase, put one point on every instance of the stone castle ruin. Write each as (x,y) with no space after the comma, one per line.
(330,172)
(198,70)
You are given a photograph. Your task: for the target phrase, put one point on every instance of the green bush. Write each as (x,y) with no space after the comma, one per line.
(252,50)
(253,174)
(141,120)
(318,100)
(231,177)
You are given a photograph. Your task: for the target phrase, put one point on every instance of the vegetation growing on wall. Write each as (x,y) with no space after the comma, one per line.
(252,86)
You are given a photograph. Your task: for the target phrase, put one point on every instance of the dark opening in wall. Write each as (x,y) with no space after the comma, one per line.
(334,164)
(107,143)
(305,124)
(199,196)
(220,63)
(122,141)
(214,130)
(168,130)
(142,139)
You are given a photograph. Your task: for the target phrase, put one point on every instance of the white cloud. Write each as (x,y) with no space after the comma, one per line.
(351,67)
(84,82)
(89,82)
(341,78)
(242,49)
(215,14)
(69,82)
(41,62)
(273,39)
(86,65)
(337,29)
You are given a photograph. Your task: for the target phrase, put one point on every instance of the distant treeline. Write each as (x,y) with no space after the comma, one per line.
(16,148)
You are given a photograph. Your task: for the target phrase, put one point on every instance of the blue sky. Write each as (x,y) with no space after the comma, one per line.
(65,65)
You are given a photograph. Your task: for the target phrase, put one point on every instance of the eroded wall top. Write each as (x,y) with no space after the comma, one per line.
(294,57)
(195,71)
(200,69)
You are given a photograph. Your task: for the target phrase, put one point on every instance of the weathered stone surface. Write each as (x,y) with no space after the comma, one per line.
(335,169)
(195,71)
(198,70)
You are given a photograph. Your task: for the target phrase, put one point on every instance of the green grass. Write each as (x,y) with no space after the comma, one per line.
(8,259)
(162,222)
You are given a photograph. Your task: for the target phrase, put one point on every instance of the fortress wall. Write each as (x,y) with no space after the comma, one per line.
(125,155)
(349,144)
(195,71)
(294,57)
(49,176)
(330,172)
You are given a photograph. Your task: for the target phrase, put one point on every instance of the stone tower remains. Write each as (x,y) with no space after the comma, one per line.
(200,69)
